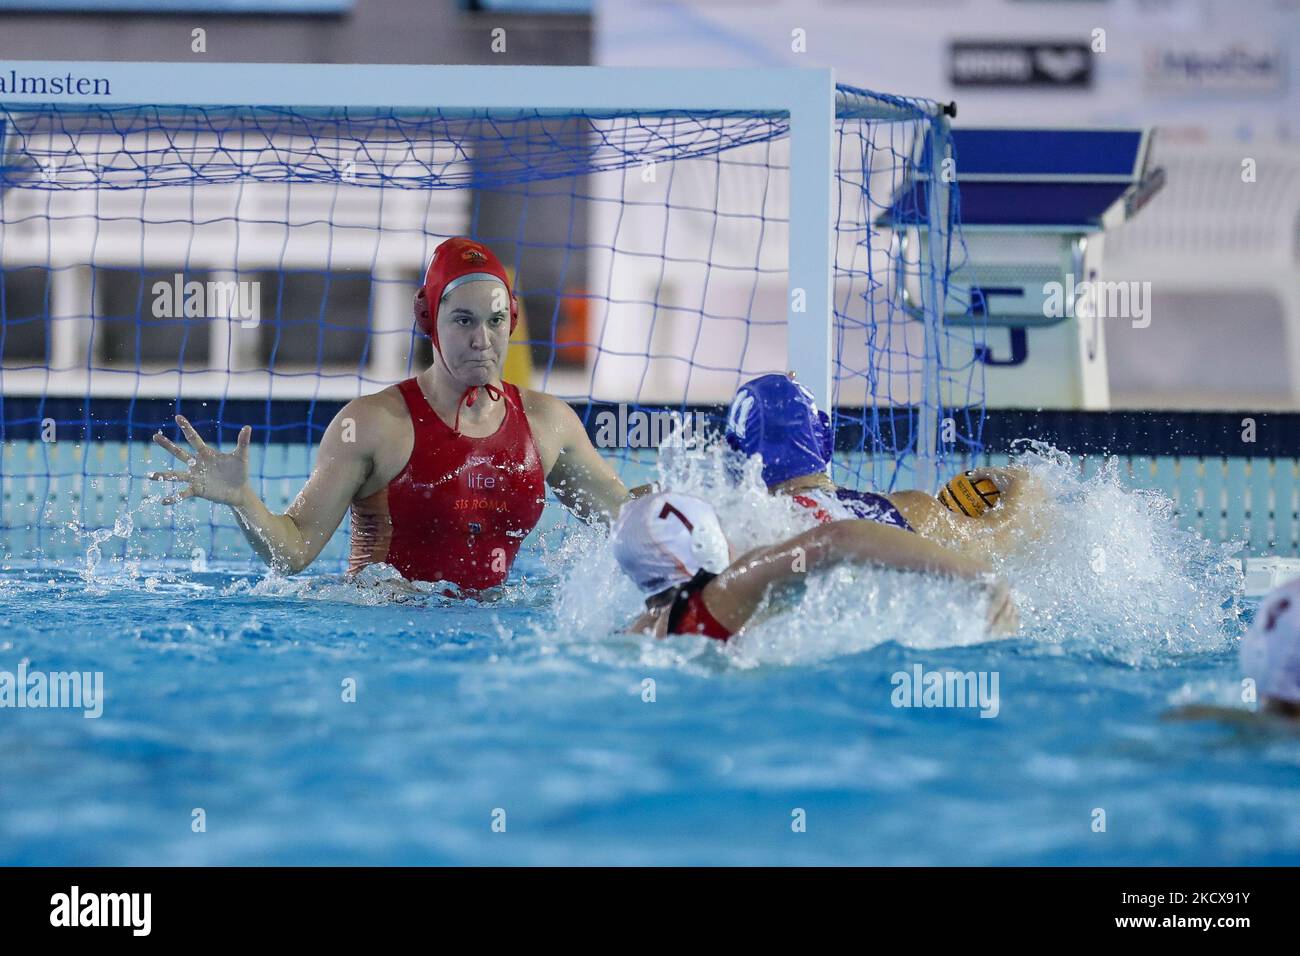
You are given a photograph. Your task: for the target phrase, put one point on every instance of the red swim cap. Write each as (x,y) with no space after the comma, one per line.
(454,259)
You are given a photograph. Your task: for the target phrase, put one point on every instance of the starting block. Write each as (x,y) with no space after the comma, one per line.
(1032,207)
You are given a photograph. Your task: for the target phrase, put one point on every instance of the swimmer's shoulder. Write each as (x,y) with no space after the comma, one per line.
(925,513)
(931,519)
(544,408)
(372,433)
(366,444)
(374,420)
(554,423)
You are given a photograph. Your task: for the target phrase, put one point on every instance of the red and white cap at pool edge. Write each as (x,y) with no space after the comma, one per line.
(664,539)
(1270,649)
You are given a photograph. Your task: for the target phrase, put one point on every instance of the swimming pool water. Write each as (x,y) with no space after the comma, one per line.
(226,694)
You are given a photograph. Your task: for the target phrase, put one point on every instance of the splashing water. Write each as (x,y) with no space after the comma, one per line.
(1106,569)
(234,684)
(1101,570)
(842,611)
(377,585)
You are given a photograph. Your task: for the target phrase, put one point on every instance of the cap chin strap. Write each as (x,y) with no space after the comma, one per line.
(471,392)
(467,399)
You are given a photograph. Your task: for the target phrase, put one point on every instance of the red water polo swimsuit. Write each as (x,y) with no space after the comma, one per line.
(689,615)
(460,509)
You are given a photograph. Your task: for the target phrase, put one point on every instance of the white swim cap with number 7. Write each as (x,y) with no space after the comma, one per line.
(665,539)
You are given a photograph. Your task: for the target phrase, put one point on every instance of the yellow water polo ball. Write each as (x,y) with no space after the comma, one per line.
(968,495)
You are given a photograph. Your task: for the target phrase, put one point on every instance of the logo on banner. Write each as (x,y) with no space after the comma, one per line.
(1232,66)
(1020,63)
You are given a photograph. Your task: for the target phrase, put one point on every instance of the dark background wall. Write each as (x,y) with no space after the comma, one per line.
(376,31)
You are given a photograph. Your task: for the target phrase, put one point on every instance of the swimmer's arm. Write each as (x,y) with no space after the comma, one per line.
(291,541)
(581,478)
(640,491)
(1020,489)
(1022,492)
(287,542)
(1018,516)
(734,595)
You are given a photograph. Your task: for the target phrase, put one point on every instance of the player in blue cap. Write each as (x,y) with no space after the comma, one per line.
(776,418)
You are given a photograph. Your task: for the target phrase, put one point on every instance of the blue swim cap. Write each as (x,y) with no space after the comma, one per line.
(776,417)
